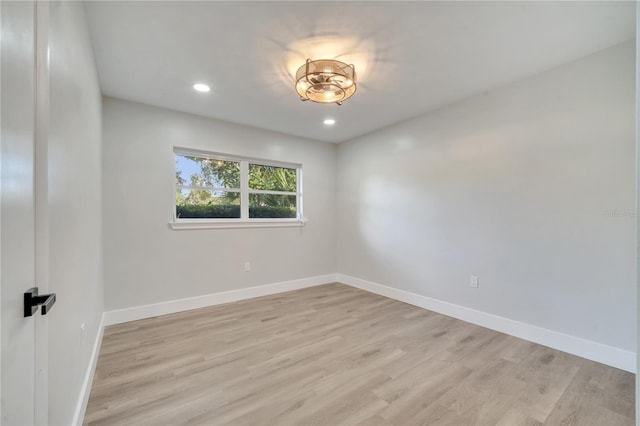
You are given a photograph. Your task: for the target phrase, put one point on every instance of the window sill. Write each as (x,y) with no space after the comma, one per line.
(207,224)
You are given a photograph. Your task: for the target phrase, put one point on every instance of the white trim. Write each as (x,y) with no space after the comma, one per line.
(269,192)
(173,306)
(299,192)
(85,391)
(207,188)
(244,190)
(41,207)
(236,223)
(609,355)
(233,158)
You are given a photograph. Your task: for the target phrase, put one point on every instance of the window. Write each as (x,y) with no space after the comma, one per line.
(226,190)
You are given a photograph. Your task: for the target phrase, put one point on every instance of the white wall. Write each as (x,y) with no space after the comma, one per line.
(147,262)
(530,187)
(75,208)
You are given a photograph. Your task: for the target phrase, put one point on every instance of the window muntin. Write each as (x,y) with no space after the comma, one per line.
(223,188)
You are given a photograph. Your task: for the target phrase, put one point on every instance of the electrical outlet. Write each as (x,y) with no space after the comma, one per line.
(247,266)
(473,281)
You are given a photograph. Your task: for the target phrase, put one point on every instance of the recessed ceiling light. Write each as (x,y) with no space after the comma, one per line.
(201,87)
(329,121)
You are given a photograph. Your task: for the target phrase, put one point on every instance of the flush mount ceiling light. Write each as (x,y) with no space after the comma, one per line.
(326,81)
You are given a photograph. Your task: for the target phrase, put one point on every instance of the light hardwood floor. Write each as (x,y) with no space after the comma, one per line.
(335,355)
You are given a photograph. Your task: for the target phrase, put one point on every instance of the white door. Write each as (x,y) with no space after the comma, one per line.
(19,336)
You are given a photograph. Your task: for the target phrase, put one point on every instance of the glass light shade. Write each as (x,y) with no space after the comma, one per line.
(326,81)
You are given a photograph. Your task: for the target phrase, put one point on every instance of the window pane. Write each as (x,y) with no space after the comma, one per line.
(272,178)
(199,171)
(205,204)
(269,206)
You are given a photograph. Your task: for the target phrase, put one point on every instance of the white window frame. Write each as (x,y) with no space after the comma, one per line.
(244,221)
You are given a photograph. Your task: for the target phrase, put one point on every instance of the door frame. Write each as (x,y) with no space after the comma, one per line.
(41,207)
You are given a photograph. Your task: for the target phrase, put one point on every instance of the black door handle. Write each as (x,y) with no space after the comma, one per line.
(32,300)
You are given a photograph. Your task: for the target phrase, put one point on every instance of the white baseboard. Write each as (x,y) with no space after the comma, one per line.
(609,355)
(85,391)
(173,306)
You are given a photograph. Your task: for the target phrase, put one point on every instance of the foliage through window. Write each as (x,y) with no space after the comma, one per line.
(217,187)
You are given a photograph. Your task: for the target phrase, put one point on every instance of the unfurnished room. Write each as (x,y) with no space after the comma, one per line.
(318,213)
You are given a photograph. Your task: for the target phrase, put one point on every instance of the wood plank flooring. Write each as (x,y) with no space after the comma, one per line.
(335,355)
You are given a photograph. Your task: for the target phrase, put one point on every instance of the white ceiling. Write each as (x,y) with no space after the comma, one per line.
(411,57)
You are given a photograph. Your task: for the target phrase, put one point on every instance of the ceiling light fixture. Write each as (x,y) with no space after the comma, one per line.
(326,81)
(329,121)
(201,87)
